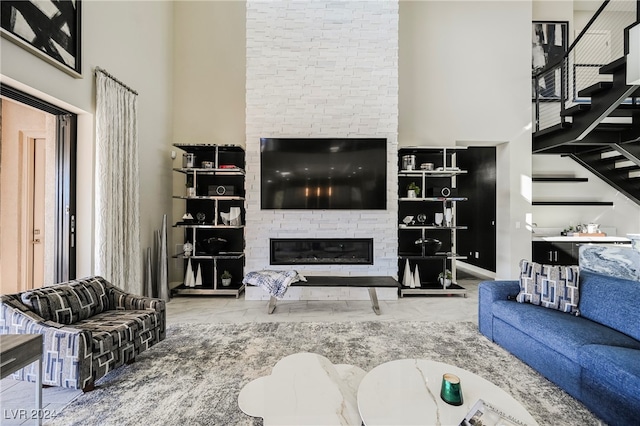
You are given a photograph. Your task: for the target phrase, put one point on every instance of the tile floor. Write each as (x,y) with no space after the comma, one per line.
(17,399)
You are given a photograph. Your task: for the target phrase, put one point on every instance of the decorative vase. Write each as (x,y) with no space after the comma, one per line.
(445,282)
(416,277)
(226,282)
(448,216)
(191,191)
(149,275)
(163,262)
(199,276)
(189,279)
(407,279)
(411,193)
(438,218)
(187,248)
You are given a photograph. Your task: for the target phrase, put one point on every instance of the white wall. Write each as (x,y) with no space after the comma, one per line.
(322,69)
(132,40)
(209,72)
(465,80)
(622,218)
(558,10)
(209,84)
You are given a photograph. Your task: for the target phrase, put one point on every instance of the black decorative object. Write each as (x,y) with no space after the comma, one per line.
(221,190)
(429,245)
(49,29)
(211,245)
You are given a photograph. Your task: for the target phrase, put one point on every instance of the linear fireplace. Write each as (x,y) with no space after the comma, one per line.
(321,251)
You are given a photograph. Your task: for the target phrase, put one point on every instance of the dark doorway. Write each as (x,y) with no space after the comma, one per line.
(478,242)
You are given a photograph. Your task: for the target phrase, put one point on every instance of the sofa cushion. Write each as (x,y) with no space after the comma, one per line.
(69,302)
(554,287)
(566,334)
(614,367)
(122,328)
(611,301)
(119,336)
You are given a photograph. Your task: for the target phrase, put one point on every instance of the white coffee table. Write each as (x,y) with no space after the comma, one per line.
(407,392)
(304,389)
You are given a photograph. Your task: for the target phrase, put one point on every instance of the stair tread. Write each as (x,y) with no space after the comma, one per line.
(614,127)
(614,66)
(625,110)
(557,128)
(594,88)
(576,109)
(622,110)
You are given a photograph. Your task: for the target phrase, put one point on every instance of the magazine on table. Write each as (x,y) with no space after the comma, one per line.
(484,414)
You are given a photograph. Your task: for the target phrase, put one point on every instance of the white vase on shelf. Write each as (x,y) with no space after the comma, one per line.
(445,282)
(407,279)
(448,216)
(438,218)
(199,276)
(189,279)
(416,277)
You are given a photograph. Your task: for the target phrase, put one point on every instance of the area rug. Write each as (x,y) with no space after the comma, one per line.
(195,375)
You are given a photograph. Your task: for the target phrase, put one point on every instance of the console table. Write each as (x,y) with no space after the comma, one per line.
(370,283)
(18,351)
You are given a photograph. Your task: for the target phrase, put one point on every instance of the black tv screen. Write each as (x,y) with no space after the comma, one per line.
(323,173)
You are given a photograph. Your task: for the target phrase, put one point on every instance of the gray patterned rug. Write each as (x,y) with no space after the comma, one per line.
(195,375)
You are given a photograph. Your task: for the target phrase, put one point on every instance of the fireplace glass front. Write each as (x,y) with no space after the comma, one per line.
(321,251)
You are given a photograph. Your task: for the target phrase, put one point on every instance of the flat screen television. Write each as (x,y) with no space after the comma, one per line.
(323,173)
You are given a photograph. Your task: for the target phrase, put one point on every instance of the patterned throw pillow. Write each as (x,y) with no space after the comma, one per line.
(69,302)
(554,287)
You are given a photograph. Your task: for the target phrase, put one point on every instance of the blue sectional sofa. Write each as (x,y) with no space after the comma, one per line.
(595,357)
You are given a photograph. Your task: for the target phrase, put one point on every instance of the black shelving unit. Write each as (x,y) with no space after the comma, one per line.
(437,192)
(217,174)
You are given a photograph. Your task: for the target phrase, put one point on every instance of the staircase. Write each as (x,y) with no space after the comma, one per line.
(597,122)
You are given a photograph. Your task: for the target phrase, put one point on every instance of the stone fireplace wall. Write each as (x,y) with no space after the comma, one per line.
(322,69)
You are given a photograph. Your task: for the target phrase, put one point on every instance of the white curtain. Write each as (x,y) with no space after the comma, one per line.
(117,247)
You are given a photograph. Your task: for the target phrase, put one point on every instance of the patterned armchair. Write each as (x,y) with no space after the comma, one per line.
(89,326)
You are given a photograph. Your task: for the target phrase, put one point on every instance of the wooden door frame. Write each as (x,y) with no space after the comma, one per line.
(66,142)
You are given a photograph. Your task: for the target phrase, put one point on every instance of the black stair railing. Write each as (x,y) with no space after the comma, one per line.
(556,86)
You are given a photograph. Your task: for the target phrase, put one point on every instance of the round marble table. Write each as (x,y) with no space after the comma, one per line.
(407,392)
(304,389)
